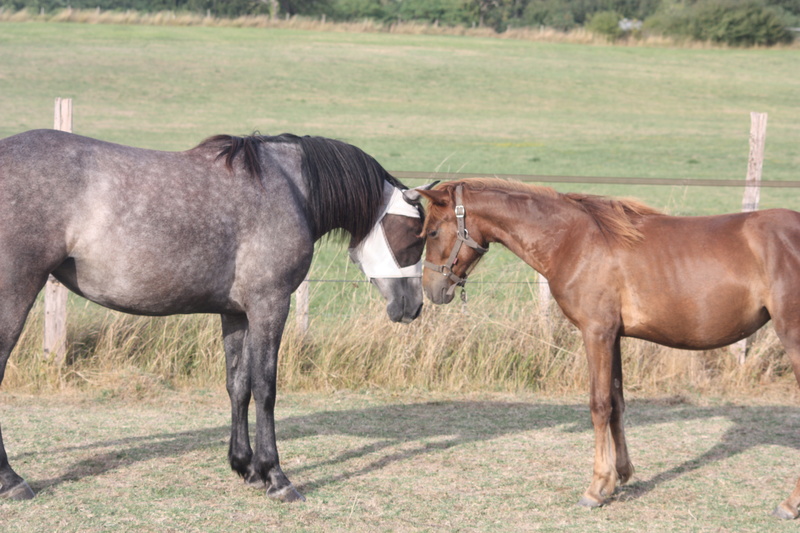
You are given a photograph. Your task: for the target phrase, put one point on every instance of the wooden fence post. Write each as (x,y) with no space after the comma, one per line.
(545,298)
(752,188)
(301,307)
(55,294)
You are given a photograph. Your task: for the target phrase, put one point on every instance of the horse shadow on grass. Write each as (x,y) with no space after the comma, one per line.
(751,427)
(113,454)
(437,426)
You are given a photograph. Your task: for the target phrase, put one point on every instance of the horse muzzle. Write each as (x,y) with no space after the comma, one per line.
(404,297)
(440,290)
(403,311)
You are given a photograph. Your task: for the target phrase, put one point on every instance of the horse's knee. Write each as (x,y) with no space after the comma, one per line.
(601,409)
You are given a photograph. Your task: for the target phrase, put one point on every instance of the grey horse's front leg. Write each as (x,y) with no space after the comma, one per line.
(251,352)
(262,343)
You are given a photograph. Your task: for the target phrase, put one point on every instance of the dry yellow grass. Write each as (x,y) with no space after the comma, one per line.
(445,350)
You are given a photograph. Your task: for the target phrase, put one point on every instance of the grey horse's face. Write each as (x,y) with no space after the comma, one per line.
(391,256)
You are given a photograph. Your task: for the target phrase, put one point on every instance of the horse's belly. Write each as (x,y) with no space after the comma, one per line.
(153,291)
(695,330)
(705,318)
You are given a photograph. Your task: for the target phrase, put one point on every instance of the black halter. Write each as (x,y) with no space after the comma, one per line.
(462,237)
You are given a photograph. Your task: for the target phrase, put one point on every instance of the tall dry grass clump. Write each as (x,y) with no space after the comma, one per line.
(119,353)
(495,345)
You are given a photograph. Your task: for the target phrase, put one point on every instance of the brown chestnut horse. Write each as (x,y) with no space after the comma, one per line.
(619,268)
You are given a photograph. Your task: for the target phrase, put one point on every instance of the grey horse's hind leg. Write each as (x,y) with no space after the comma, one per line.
(240,454)
(16,300)
(13,486)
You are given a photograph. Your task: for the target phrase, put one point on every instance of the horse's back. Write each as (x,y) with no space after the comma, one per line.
(142,230)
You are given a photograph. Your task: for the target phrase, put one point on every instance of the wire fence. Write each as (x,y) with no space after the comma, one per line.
(55,330)
(750,186)
(596,180)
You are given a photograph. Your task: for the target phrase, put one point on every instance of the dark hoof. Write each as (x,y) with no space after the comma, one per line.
(21,491)
(783,513)
(589,502)
(286,494)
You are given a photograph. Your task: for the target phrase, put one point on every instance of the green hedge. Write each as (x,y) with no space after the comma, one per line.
(734,22)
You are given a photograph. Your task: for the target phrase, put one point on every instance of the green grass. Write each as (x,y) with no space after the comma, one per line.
(379,462)
(398,457)
(420,103)
(416,102)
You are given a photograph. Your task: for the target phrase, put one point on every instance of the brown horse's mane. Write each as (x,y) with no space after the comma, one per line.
(616,217)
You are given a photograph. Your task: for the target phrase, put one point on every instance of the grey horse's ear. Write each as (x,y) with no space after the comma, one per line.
(413,196)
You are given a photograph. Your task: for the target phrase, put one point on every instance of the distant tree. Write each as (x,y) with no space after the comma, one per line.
(360,9)
(733,22)
(550,13)
(606,23)
(446,12)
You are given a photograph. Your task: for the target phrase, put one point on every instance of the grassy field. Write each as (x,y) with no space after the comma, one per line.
(136,437)
(411,462)
(422,103)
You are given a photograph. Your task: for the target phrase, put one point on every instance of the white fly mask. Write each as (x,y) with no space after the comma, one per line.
(374,255)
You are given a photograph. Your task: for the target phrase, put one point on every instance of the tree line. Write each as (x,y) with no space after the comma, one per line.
(734,22)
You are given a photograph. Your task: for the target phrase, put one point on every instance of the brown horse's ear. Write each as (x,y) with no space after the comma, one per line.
(412,196)
(436,196)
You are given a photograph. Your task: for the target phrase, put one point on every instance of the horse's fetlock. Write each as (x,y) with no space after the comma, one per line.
(240,463)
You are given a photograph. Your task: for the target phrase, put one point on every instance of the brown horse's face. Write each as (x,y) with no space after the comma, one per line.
(440,241)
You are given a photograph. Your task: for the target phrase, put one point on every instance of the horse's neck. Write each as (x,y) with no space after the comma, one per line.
(537,230)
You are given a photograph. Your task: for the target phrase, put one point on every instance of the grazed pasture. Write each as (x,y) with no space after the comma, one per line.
(119,448)
(405,462)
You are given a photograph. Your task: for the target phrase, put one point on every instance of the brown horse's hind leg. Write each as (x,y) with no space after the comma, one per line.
(788,509)
(789,334)
(599,351)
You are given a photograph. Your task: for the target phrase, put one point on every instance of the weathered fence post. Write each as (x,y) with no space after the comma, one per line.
(752,188)
(301,307)
(544,303)
(55,294)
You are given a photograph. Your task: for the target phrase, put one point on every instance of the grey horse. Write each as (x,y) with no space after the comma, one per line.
(227,227)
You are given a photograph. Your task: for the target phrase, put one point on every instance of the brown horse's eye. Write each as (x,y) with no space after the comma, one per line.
(433,233)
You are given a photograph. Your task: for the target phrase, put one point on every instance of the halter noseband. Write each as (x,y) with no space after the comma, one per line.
(462,237)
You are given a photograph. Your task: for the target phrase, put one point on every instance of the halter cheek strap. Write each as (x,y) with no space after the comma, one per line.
(462,237)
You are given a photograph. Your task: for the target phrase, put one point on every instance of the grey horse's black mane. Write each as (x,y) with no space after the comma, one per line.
(345,183)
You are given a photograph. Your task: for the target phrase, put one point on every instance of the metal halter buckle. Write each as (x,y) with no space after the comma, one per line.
(462,237)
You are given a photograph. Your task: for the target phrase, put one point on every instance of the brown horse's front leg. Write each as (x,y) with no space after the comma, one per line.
(599,351)
(624,466)
(788,509)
